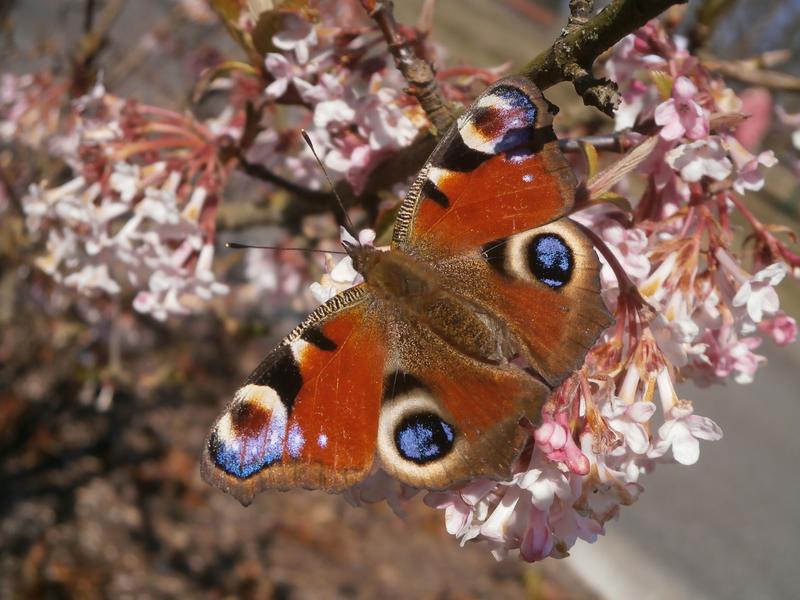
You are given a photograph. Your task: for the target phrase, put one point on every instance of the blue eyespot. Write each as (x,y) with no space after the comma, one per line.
(550,260)
(423,437)
(244,453)
(243,460)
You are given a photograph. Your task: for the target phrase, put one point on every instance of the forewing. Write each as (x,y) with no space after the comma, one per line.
(497,172)
(308,415)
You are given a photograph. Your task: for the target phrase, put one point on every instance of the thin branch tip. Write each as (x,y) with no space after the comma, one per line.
(584,39)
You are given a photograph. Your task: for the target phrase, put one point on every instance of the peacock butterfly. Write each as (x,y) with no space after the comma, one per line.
(412,369)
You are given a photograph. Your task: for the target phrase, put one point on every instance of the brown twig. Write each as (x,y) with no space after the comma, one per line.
(579,13)
(755,71)
(418,73)
(92,42)
(88,16)
(571,57)
(264,174)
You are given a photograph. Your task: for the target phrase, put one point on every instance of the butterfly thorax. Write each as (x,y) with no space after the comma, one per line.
(413,288)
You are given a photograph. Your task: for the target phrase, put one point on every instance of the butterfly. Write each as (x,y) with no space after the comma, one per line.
(415,370)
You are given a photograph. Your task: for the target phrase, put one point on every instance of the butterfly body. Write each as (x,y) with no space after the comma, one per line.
(415,369)
(415,292)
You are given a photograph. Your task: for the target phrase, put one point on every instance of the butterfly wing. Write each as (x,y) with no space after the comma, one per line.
(447,418)
(545,285)
(308,415)
(497,172)
(358,377)
(487,212)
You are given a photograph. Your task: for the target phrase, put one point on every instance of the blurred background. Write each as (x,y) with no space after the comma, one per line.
(103,499)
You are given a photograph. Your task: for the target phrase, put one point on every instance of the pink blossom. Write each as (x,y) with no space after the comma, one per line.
(570,525)
(459,505)
(389,124)
(748,167)
(554,437)
(381,487)
(626,62)
(704,157)
(327,88)
(680,115)
(781,328)
(505,524)
(92,278)
(756,102)
(676,332)
(544,480)
(537,541)
(335,112)
(198,11)
(728,354)
(341,275)
(296,35)
(283,72)
(629,244)
(338,277)
(758,293)
(273,272)
(627,420)
(681,433)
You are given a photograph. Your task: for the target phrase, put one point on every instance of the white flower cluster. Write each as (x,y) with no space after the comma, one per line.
(103,241)
(359,116)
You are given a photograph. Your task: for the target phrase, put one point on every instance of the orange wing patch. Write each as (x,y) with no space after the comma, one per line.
(500,197)
(498,172)
(545,286)
(308,415)
(448,418)
(336,410)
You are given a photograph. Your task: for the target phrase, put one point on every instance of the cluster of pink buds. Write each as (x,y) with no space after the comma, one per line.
(347,96)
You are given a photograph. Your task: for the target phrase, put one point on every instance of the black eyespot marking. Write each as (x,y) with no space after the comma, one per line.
(430,190)
(458,156)
(519,119)
(399,383)
(313,335)
(281,372)
(423,437)
(495,254)
(550,260)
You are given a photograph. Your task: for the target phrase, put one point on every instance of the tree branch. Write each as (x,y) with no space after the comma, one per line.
(579,13)
(264,174)
(571,57)
(756,71)
(418,73)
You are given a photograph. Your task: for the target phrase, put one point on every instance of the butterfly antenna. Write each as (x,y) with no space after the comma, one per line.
(238,246)
(348,224)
